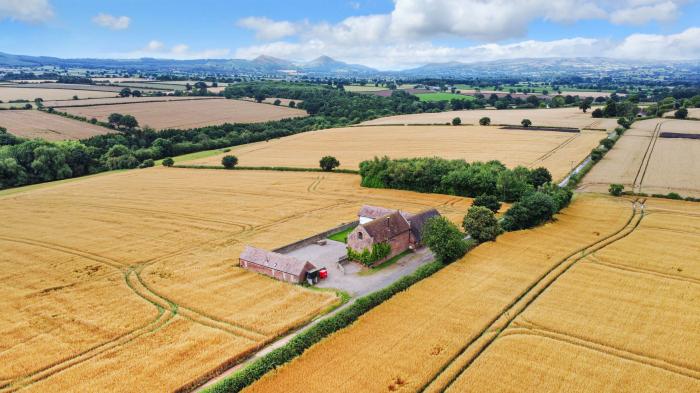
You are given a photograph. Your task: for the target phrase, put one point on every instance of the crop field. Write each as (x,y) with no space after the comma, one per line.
(364,89)
(69,86)
(191,114)
(435,334)
(132,278)
(36,124)
(442,97)
(644,162)
(352,145)
(632,331)
(120,100)
(559,117)
(24,93)
(692,113)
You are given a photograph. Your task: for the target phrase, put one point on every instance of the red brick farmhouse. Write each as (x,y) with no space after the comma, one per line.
(391,228)
(281,267)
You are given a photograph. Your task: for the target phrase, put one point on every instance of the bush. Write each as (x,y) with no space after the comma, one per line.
(526,122)
(488,201)
(366,257)
(229,162)
(596,154)
(481,224)
(456,121)
(226,150)
(445,240)
(485,121)
(277,102)
(619,130)
(328,163)
(147,163)
(616,189)
(168,161)
(682,113)
(624,122)
(597,113)
(607,143)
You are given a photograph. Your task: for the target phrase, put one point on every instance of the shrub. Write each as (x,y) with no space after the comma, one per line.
(485,121)
(456,121)
(488,201)
(366,257)
(616,189)
(607,143)
(168,161)
(481,224)
(147,163)
(229,162)
(624,122)
(682,113)
(597,113)
(328,163)
(526,122)
(292,104)
(226,150)
(619,130)
(673,195)
(596,154)
(277,102)
(445,240)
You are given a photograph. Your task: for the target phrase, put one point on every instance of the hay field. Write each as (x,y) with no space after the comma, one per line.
(352,145)
(634,330)
(24,93)
(417,337)
(119,100)
(37,124)
(192,114)
(558,117)
(131,280)
(643,162)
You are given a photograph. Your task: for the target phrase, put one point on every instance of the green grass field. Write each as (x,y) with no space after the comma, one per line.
(442,97)
(341,236)
(193,156)
(535,88)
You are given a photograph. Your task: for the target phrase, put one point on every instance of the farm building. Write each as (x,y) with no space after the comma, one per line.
(391,228)
(417,222)
(281,267)
(368,213)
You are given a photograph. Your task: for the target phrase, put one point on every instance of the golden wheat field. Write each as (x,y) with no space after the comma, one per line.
(121,100)
(557,151)
(191,114)
(644,162)
(556,117)
(131,279)
(634,329)
(422,337)
(25,93)
(37,124)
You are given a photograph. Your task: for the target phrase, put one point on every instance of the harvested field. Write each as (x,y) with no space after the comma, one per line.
(37,124)
(692,113)
(423,336)
(643,162)
(120,100)
(629,332)
(24,93)
(364,89)
(69,86)
(192,114)
(559,117)
(129,281)
(553,150)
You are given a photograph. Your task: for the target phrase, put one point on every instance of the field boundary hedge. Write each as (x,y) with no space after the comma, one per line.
(299,344)
(267,168)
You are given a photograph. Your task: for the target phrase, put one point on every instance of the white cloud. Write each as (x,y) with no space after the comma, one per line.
(644,12)
(267,29)
(112,22)
(158,49)
(682,46)
(26,10)
(154,46)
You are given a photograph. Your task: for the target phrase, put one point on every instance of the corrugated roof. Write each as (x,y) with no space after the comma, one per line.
(273,260)
(374,211)
(417,222)
(386,227)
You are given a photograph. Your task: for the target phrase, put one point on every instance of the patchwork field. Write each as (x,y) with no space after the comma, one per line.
(37,124)
(192,114)
(557,151)
(131,279)
(644,162)
(119,100)
(558,117)
(25,93)
(593,302)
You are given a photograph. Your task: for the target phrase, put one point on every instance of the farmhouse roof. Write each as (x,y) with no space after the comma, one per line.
(273,260)
(374,211)
(417,222)
(387,227)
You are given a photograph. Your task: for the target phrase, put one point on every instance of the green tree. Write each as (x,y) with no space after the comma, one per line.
(456,121)
(616,189)
(49,164)
(259,97)
(481,224)
(115,118)
(292,104)
(681,113)
(596,154)
(129,122)
(488,201)
(444,239)
(485,121)
(597,113)
(12,174)
(540,176)
(277,102)
(125,92)
(584,105)
(532,210)
(526,122)
(168,161)
(229,161)
(328,163)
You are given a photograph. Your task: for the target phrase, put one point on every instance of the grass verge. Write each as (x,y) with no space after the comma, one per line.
(267,168)
(383,265)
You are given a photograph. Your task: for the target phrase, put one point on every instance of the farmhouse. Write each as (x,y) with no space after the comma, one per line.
(417,222)
(392,229)
(281,267)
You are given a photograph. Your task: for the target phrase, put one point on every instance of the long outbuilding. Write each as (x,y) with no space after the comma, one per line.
(279,266)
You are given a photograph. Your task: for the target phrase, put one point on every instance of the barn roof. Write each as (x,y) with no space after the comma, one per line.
(374,211)
(273,260)
(386,227)
(417,222)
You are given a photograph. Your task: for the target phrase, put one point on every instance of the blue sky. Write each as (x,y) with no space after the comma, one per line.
(380,33)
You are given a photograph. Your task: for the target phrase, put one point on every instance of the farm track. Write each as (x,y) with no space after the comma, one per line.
(638,180)
(475,347)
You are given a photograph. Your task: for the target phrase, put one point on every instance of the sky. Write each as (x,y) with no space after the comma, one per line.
(385,34)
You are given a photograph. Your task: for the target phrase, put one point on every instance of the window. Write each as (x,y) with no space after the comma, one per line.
(359,235)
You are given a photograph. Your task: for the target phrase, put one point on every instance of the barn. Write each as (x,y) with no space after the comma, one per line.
(279,266)
(368,213)
(391,228)
(417,222)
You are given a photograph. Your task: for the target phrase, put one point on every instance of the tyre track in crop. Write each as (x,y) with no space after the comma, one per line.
(555,150)
(642,171)
(475,347)
(593,259)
